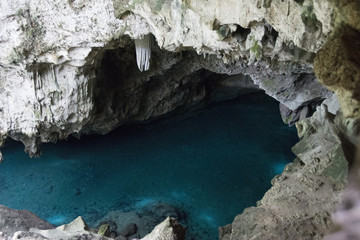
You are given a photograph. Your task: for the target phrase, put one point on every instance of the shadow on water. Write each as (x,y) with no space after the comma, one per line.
(211,163)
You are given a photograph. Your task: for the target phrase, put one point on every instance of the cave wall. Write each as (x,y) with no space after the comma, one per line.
(52,73)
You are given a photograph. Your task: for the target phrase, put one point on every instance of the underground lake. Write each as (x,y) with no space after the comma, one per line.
(204,166)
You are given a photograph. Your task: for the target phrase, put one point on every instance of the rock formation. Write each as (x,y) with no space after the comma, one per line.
(12,220)
(69,67)
(168,229)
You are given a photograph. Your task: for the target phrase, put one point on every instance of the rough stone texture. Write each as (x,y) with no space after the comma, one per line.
(28,236)
(337,66)
(225,232)
(45,87)
(347,215)
(300,203)
(77,229)
(55,81)
(203,25)
(169,229)
(12,220)
(303,197)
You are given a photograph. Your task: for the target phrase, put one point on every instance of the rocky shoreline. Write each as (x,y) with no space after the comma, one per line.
(15,224)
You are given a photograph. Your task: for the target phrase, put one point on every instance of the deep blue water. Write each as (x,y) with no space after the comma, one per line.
(211,163)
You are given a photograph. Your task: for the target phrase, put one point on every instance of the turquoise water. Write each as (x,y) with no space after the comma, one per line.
(211,163)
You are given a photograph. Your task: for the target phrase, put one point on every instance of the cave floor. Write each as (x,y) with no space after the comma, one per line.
(211,163)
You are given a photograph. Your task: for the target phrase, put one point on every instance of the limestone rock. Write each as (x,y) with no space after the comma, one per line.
(12,220)
(332,104)
(347,215)
(69,67)
(169,229)
(74,230)
(294,207)
(28,236)
(337,66)
(225,232)
(194,23)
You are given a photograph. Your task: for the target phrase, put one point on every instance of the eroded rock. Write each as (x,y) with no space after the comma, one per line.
(12,220)
(347,215)
(169,229)
(77,229)
(55,80)
(301,201)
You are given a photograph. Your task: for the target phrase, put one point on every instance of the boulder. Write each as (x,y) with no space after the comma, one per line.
(77,229)
(12,220)
(169,229)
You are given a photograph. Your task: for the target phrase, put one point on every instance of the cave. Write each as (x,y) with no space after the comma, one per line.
(179,119)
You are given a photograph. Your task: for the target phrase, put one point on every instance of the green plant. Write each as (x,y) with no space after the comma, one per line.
(256,49)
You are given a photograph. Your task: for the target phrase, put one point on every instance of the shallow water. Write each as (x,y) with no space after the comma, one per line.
(212,164)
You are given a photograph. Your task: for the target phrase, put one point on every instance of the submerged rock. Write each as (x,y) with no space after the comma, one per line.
(129,230)
(124,220)
(347,215)
(139,223)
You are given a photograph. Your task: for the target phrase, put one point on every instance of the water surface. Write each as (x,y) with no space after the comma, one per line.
(212,164)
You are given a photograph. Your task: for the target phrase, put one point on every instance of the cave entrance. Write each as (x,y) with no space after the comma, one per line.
(203,167)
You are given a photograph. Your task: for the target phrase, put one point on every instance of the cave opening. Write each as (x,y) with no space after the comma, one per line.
(201,167)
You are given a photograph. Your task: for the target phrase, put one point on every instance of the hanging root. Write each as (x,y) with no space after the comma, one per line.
(143,53)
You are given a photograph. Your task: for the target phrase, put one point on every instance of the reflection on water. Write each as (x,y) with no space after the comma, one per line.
(212,164)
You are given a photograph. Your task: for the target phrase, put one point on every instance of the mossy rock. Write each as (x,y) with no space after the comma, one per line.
(267,3)
(309,18)
(104,230)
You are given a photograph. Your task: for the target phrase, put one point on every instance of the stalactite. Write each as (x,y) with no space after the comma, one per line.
(143,52)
